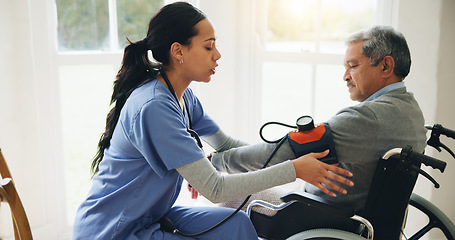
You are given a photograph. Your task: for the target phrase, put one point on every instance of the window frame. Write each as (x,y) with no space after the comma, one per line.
(256,55)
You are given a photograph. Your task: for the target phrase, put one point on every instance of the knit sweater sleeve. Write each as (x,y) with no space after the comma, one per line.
(217,187)
(220,141)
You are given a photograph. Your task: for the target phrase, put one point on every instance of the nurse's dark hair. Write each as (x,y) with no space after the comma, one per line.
(382,41)
(175,22)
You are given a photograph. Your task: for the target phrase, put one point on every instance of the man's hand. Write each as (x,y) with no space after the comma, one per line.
(321,175)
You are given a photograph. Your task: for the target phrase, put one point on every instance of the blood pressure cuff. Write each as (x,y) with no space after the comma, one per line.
(318,139)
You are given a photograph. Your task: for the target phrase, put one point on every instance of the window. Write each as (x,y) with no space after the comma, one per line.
(319,26)
(91,35)
(300,54)
(102,25)
(82,25)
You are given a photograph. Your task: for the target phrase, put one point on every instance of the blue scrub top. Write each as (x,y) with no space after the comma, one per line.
(137,182)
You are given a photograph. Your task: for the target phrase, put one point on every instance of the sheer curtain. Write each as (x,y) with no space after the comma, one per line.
(30,126)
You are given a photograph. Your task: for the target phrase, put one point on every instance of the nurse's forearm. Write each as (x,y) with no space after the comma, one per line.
(251,157)
(220,188)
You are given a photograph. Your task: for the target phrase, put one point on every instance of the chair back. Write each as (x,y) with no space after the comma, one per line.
(9,195)
(4,170)
(391,188)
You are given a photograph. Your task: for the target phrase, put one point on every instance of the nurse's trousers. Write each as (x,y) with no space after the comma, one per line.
(191,220)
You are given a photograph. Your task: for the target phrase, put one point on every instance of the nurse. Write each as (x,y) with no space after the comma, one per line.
(151,144)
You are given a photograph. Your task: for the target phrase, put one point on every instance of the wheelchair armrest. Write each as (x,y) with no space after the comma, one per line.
(318,202)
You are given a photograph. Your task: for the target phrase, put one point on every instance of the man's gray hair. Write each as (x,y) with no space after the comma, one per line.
(382,41)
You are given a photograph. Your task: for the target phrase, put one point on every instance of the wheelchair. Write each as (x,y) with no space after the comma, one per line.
(382,217)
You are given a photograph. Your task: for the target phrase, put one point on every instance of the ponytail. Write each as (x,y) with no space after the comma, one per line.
(173,23)
(135,71)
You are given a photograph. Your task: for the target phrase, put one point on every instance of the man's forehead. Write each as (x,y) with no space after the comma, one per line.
(354,52)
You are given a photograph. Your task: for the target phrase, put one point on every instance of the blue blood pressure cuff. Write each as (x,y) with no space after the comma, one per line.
(317,139)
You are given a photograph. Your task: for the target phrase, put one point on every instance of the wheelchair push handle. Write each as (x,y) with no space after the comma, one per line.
(444,131)
(438,129)
(429,161)
(448,132)
(434,140)
(410,156)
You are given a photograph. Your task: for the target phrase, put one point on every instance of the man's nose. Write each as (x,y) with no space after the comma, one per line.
(346,76)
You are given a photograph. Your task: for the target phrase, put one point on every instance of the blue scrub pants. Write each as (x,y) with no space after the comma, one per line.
(192,220)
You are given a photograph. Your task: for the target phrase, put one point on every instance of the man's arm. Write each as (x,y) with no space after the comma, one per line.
(220,141)
(251,157)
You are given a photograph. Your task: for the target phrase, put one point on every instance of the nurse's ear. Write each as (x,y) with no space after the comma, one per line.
(177,52)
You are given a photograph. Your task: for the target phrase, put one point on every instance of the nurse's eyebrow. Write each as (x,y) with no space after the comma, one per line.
(210,39)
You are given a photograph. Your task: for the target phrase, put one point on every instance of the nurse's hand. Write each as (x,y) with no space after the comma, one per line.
(319,174)
(194,193)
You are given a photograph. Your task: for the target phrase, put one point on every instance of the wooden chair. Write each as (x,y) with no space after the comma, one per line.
(9,195)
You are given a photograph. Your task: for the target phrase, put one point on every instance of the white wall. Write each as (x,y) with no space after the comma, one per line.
(30,134)
(445,100)
(444,113)
(429,28)
(225,84)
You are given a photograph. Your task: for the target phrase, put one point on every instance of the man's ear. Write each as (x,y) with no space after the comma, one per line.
(388,65)
(177,51)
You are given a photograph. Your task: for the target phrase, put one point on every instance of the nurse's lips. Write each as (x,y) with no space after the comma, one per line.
(213,69)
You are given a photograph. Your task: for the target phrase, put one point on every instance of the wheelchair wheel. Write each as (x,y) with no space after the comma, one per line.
(326,234)
(437,218)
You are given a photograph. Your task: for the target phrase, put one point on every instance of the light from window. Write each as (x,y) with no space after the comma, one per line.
(315,25)
(91,25)
(95,25)
(133,17)
(302,48)
(287,93)
(330,92)
(85,104)
(82,25)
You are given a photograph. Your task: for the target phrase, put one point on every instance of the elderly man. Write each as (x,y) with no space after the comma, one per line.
(377,61)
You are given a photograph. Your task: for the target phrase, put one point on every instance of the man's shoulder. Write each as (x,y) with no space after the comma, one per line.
(393,95)
(388,103)
(398,98)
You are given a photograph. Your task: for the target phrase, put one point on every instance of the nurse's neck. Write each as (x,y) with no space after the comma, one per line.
(178,82)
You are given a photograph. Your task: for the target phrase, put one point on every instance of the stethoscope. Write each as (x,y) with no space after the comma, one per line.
(190,128)
(166,224)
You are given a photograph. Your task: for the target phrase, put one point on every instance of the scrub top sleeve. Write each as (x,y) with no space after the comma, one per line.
(203,124)
(159,133)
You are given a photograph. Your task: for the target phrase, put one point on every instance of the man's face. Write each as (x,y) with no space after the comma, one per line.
(361,78)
